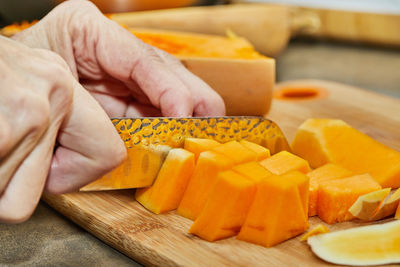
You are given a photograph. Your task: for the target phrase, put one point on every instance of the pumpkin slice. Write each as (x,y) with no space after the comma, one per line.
(367,245)
(368,204)
(335,197)
(167,191)
(320,141)
(198,145)
(261,152)
(208,165)
(139,169)
(284,162)
(236,152)
(388,207)
(324,173)
(226,207)
(317,230)
(253,171)
(278,210)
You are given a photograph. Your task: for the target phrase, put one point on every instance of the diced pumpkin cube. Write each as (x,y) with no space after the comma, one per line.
(236,152)
(284,162)
(167,191)
(277,199)
(335,197)
(324,173)
(261,152)
(140,169)
(208,165)
(198,145)
(252,170)
(326,140)
(226,207)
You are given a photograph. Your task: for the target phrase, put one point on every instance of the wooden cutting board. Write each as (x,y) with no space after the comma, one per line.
(117,219)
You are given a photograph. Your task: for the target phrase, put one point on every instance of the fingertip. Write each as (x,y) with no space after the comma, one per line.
(176,103)
(213,105)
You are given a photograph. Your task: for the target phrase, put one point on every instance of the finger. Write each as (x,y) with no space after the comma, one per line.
(126,58)
(89,146)
(205,100)
(23,192)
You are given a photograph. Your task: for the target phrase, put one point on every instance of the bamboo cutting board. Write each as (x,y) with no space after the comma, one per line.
(162,240)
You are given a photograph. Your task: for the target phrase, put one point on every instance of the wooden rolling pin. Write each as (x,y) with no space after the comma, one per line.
(269,27)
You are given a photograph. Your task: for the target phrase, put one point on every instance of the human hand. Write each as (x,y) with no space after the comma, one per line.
(41,103)
(127,77)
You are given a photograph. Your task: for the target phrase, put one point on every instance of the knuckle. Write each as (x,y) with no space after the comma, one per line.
(37,112)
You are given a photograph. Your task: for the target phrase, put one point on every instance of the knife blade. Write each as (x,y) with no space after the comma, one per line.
(148,141)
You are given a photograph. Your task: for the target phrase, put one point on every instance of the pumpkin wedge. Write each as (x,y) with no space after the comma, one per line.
(208,165)
(335,197)
(320,141)
(388,207)
(167,191)
(367,205)
(138,170)
(284,162)
(361,246)
(227,64)
(226,208)
(324,173)
(277,199)
(198,145)
(261,152)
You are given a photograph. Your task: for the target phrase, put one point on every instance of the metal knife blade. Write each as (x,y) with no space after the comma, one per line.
(148,141)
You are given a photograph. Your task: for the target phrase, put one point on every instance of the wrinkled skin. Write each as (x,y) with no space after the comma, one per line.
(43,104)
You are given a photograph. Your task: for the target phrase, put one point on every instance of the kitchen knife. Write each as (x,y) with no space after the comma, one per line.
(148,141)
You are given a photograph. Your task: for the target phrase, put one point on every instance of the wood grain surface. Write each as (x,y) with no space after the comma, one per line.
(162,240)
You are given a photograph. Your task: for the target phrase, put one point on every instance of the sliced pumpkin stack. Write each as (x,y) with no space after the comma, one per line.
(234,188)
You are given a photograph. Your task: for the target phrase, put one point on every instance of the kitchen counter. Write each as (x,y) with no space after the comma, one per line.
(48,239)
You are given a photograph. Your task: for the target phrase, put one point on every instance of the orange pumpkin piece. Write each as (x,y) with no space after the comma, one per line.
(388,206)
(324,173)
(326,140)
(167,191)
(208,165)
(335,197)
(236,152)
(284,162)
(226,207)
(279,210)
(253,171)
(317,230)
(261,152)
(140,169)
(367,205)
(198,145)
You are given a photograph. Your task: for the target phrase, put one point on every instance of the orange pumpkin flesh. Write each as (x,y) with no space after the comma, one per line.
(198,145)
(209,164)
(317,230)
(277,199)
(335,197)
(226,207)
(284,162)
(167,191)
(320,141)
(236,152)
(324,173)
(261,152)
(253,171)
